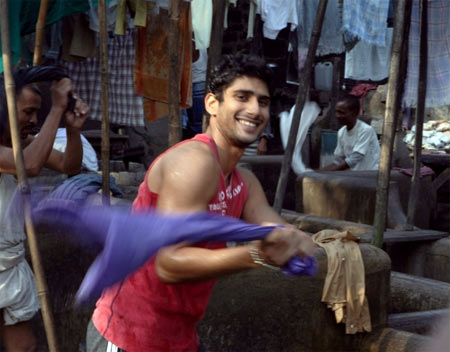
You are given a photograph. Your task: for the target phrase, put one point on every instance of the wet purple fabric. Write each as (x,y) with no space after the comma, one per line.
(129,240)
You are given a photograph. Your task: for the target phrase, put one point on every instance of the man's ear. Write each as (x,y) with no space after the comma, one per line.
(211,104)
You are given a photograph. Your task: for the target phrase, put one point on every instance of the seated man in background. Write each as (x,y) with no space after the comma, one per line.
(357,143)
(18,295)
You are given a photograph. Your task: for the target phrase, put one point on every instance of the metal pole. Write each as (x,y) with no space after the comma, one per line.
(174,73)
(305,78)
(40,31)
(392,103)
(215,47)
(420,112)
(41,284)
(104,99)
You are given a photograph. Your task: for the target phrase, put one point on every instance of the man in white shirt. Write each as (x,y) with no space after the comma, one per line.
(357,143)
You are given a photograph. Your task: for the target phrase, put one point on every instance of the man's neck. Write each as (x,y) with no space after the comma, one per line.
(229,155)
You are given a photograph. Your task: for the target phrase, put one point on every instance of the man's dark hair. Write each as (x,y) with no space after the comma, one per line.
(351,101)
(231,67)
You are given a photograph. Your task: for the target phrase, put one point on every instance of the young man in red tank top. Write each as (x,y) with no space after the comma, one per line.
(146,312)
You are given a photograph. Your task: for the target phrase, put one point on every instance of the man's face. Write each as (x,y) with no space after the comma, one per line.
(244,110)
(28,104)
(345,115)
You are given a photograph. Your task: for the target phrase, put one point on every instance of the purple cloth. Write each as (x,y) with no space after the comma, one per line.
(129,240)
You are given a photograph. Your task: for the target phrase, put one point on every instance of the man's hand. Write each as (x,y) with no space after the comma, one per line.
(60,93)
(78,116)
(284,243)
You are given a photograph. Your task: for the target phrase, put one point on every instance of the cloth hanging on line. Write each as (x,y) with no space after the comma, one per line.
(151,72)
(438,68)
(366,19)
(202,13)
(369,62)
(277,14)
(309,114)
(331,40)
(344,290)
(146,233)
(125,107)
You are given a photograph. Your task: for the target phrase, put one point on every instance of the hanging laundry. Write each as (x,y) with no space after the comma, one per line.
(151,73)
(111,14)
(438,68)
(228,4)
(366,20)
(251,18)
(123,18)
(78,40)
(309,114)
(125,107)
(331,40)
(277,14)
(202,12)
(369,62)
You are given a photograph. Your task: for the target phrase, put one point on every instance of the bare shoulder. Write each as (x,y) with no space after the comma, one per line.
(188,172)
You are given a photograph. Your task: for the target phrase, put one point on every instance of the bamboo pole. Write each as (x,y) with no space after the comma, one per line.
(40,31)
(41,284)
(174,73)
(392,107)
(305,78)
(420,112)
(104,99)
(215,46)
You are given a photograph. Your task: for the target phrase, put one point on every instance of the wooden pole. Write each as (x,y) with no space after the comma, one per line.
(40,31)
(104,99)
(215,46)
(387,141)
(174,73)
(420,112)
(41,284)
(305,78)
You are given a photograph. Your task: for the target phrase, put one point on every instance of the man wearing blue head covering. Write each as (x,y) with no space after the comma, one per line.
(18,296)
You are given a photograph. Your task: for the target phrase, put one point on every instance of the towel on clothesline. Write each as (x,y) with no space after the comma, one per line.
(438,68)
(366,20)
(125,107)
(151,73)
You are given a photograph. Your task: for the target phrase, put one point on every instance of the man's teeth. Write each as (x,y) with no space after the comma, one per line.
(247,123)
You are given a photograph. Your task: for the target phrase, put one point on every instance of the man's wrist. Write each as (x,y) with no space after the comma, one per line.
(257,258)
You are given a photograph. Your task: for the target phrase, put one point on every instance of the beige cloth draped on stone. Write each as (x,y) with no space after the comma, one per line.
(344,288)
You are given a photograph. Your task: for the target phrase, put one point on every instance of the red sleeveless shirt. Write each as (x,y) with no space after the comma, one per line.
(144,314)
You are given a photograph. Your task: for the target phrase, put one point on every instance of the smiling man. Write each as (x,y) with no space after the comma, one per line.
(18,296)
(157,307)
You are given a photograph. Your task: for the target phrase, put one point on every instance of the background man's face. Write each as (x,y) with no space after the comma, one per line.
(28,104)
(345,115)
(244,111)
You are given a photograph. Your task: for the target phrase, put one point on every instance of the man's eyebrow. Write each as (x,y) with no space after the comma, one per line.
(251,92)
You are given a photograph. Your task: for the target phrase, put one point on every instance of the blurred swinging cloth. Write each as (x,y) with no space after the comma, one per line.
(129,240)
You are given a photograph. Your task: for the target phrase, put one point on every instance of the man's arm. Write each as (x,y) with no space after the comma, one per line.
(188,179)
(38,151)
(188,184)
(69,162)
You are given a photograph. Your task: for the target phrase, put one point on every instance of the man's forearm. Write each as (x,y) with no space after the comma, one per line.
(176,264)
(73,154)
